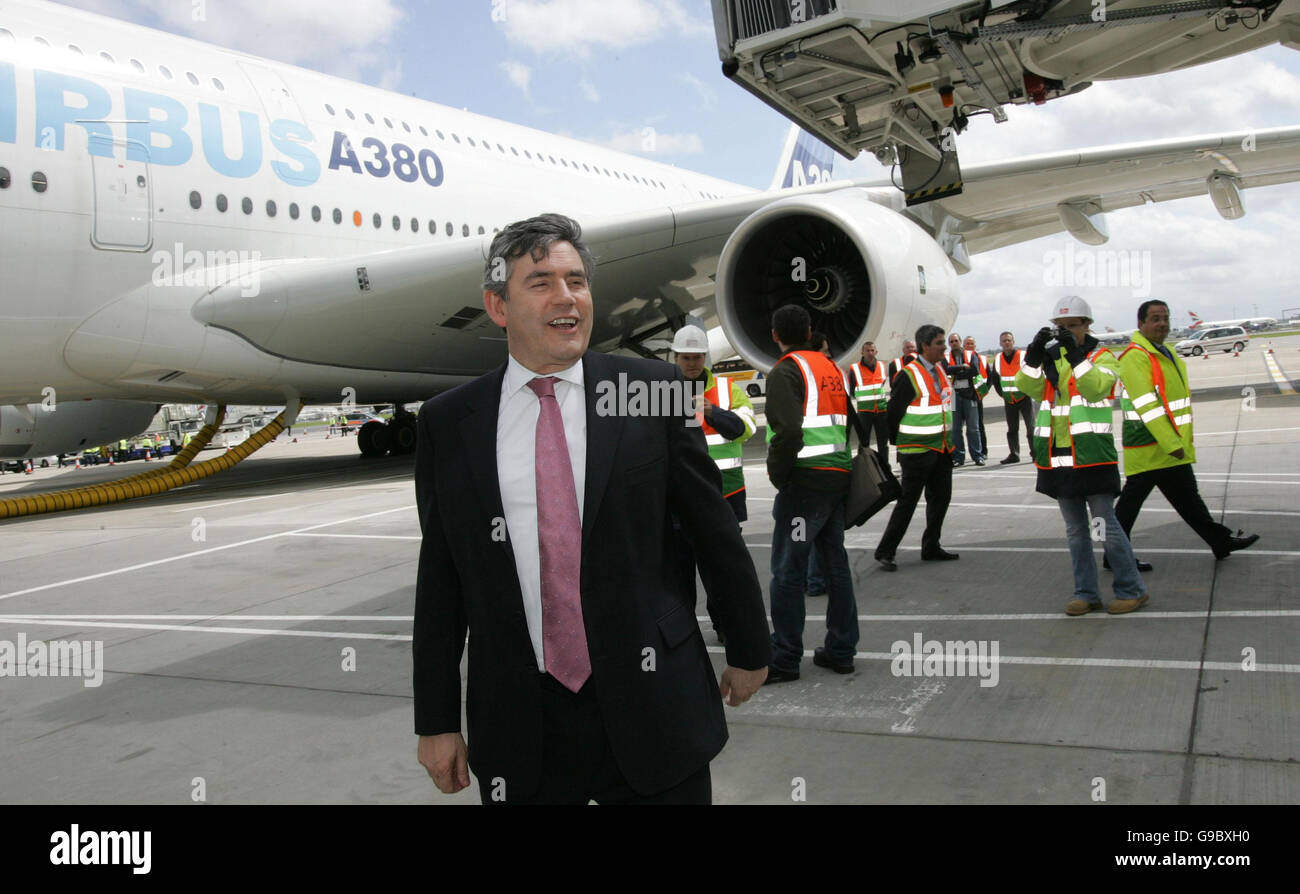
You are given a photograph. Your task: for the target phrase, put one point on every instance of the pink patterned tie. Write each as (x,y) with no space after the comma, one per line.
(559,542)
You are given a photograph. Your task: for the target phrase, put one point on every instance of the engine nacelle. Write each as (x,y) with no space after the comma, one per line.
(70,426)
(863,271)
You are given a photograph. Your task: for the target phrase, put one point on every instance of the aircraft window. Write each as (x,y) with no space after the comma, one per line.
(585,168)
(406,127)
(356,218)
(192,78)
(487,145)
(423,132)
(270,208)
(329,108)
(397,223)
(563,162)
(247,205)
(433,228)
(552,158)
(470,140)
(415,225)
(389,123)
(528,154)
(456,138)
(221,202)
(196,200)
(464,229)
(480,231)
(6,34)
(315,213)
(216,82)
(42,41)
(39,183)
(503,149)
(137,65)
(338,216)
(350,115)
(369,119)
(293,210)
(107,58)
(165,72)
(4,178)
(76,49)
(438,132)
(378,221)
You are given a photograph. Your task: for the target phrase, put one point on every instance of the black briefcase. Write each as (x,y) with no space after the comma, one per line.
(872,485)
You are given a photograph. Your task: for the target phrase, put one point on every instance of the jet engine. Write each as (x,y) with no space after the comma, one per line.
(30,430)
(863,271)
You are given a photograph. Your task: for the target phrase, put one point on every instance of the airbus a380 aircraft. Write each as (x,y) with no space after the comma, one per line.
(183,223)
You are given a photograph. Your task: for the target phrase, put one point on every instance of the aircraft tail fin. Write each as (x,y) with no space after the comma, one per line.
(804,159)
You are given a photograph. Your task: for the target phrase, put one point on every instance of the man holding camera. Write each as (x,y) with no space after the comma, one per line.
(1074,379)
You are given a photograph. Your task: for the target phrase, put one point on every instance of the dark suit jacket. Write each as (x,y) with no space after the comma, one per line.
(663,725)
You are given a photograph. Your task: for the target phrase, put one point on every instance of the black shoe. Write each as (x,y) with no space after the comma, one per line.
(979,461)
(958,462)
(776,675)
(939,555)
(815,595)
(820,659)
(887,563)
(1237,542)
(722,637)
(1013,458)
(1142,566)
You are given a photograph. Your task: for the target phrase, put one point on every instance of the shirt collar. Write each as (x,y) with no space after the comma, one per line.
(518,376)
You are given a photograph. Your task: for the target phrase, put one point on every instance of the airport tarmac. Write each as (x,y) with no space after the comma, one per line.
(256,639)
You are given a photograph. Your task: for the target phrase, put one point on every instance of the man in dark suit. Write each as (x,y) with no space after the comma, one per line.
(545,502)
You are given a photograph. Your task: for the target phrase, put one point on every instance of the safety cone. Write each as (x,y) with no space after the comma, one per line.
(28,470)
(78,465)
(148,454)
(110,460)
(1205,356)
(1270,347)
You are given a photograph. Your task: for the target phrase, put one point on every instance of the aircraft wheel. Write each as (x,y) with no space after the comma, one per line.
(402,435)
(373,439)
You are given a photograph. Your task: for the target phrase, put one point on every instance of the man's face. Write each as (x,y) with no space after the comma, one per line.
(1078,327)
(954,342)
(548,316)
(1156,326)
(868,354)
(692,365)
(933,352)
(1007,341)
(969,343)
(909,347)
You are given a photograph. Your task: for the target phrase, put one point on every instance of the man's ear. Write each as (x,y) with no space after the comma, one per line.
(496,306)
(774,338)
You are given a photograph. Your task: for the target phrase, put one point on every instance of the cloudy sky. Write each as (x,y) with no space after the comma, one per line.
(602,70)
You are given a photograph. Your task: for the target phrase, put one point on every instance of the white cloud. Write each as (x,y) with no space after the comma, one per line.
(708,96)
(519,74)
(589,90)
(347,38)
(574,27)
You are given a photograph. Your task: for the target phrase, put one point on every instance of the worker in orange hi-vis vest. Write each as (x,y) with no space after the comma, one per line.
(982,361)
(1016,405)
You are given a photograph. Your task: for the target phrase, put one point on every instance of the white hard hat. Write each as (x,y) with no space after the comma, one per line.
(691,340)
(1070,306)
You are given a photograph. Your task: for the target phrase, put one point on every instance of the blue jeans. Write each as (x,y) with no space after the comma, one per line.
(804,519)
(1128,582)
(965,414)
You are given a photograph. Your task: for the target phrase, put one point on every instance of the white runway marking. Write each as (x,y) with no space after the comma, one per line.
(1048,506)
(359,536)
(189,628)
(200,552)
(171,617)
(195,507)
(1038,616)
(1139,663)
(1061,549)
(1274,370)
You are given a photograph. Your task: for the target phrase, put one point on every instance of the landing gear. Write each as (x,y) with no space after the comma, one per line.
(396,436)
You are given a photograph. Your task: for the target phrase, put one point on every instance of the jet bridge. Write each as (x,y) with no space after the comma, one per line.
(901,80)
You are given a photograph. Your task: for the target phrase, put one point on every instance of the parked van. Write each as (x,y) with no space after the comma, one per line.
(1226,338)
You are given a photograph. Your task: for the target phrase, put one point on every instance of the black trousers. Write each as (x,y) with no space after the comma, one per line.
(930,472)
(577,763)
(1178,484)
(984,438)
(877,424)
(1022,409)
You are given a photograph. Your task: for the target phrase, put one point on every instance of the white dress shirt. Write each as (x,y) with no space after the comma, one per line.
(517,415)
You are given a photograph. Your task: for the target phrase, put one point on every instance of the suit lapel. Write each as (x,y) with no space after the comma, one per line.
(603,432)
(478,420)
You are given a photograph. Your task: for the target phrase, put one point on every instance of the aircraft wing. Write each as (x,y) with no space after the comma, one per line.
(1004,203)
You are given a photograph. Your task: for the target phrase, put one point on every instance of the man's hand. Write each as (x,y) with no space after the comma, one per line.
(704,405)
(738,685)
(1178,454)
(1036,353)
(446,759)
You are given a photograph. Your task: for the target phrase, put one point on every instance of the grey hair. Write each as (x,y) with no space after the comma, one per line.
(533,236)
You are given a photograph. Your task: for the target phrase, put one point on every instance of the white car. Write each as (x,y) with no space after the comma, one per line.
(1227,338)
